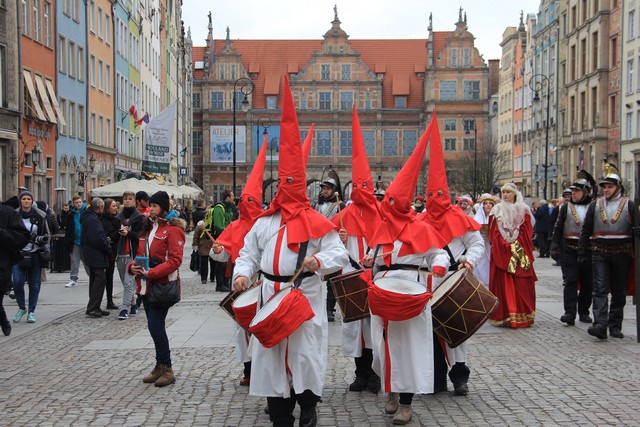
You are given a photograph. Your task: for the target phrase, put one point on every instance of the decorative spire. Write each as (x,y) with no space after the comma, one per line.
(430,27)
(521,26)
(228,38)
(210,23)
(465,19)
(460,14)
(335,13)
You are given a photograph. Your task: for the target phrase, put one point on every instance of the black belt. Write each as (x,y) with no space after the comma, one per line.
(286,279)
(401,267)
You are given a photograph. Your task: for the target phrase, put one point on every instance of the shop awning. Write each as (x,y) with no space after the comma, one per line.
(54,100)
(35,102)
(45,99)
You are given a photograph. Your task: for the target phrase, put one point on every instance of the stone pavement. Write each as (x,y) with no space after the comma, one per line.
(68,369)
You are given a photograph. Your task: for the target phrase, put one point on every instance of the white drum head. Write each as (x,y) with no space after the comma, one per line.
(247,298)
(401,286)
(270,306)
(444,287)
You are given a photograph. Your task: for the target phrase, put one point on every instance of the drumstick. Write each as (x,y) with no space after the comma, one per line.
(385,254)
(210,236)
(299,272)
(339,211)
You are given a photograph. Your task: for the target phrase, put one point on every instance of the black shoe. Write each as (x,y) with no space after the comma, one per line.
(359,384)
(374,383)
(461,390)
(585,318)
(266,410)
(6,328)
(616,333)
(12,295)
(223,289)
(308,417)
(112,306)
(598,331)
(94,313)
(331,317)
(440,388)
(568,319)
(105,312)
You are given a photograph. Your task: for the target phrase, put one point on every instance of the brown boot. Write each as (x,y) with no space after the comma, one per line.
(391,405)
(403,416)
(154,375)
(166,378)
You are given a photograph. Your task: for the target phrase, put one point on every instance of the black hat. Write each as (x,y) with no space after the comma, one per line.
(142,195)
(161,198)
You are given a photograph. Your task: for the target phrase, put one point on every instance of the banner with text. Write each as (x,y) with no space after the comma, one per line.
(221,138)
(158,134)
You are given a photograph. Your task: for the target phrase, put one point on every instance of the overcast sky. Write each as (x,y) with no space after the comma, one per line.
(361,19)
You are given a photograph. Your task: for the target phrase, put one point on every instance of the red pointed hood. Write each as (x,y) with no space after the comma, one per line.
(250,206)
(291,199)
(306,146)
(362,217)
(450,221)
(399,221)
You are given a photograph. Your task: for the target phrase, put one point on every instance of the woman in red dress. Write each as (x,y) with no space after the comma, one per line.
(512,277)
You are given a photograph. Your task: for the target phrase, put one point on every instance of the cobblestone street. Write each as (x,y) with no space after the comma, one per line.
(68,369)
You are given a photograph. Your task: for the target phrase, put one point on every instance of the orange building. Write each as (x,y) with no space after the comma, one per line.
(41,112)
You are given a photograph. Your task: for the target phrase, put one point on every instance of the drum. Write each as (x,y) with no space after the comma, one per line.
(351,295)
(227,303)
(281,316)
(245,306)
(461,304)
(397,299)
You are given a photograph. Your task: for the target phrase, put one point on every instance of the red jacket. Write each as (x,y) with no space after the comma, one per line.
(168,245)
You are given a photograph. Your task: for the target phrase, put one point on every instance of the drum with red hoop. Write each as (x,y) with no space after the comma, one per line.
(281,316)
(461,304)
(351,295)
(397,299)
(245,306)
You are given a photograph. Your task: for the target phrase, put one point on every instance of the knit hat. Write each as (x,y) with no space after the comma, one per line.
(142,195)
(25,193)
(161,198)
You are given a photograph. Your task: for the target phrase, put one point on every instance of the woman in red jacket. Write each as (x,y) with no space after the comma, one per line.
(162,241)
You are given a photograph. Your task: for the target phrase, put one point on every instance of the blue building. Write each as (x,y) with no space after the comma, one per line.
(72,76)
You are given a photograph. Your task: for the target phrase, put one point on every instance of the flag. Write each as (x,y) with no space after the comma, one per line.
(145,119)
(158,139)
(132,110)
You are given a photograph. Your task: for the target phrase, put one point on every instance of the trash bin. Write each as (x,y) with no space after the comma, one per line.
(61,261)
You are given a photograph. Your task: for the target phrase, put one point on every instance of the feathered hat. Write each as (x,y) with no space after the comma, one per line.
(611,175)
(584,181)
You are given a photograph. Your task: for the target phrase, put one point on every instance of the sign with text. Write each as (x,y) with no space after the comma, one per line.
(158,134)
(221,138)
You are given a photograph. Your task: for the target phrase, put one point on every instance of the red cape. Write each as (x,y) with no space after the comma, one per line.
(451,223)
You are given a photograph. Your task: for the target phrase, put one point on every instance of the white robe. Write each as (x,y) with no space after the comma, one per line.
(473,243)
(240,334)
(299,362)
(356,335)
(409,368)
(482,268)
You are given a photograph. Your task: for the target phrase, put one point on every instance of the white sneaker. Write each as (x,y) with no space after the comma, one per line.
(71,284)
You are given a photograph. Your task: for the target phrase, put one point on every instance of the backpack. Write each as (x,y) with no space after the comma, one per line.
(208,221)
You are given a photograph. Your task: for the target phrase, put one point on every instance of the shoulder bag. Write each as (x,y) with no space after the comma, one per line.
(162,295)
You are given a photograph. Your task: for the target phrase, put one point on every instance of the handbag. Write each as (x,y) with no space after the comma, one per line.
(26,262)
(161,295)
(194,265)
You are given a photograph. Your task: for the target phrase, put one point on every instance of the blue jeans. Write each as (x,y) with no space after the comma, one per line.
(156,317)
(33,276)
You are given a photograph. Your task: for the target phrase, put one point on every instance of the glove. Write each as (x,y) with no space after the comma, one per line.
(41,240)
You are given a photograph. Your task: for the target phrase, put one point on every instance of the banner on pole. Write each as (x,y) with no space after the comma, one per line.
(221,138)
(158,134)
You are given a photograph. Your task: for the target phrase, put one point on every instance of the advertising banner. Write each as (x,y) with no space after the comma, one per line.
(158,134)
(221,138)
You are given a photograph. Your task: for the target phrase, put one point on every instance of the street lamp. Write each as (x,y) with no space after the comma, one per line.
(246,88)
(36,156)
(265,122)
(538,83)
(467,123)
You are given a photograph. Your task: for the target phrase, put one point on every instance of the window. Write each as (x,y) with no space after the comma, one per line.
(100,75)
(346,101)
(3,79)
(80,63)
(324,101)
(401,101)
(107,75)
(324,142)
(75,10)
(25,18)
(612,108)
(629,126)
(450,124)
(471,90)
(81,122)
(369,142)
(37,31)
(63,108)
(390,145)
(448,90)
(454,57)
(630,76)
(345,73)
(100,139)
(594,107)
(574,59)
(450,144)
(468,125)
(72,119)
(408,142)
(47,24)
(72,60)
(92,16)
(107,28)
(92,70)
(345,143)
(614,52)
(631,25)
(325,72)
(272,102)
(468,144)
(107,138)
(197,143)
(595,53)
(66,7)
(467,58)
(583,53)
(62,55)
(99,19)
(195,100)
(216,100)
